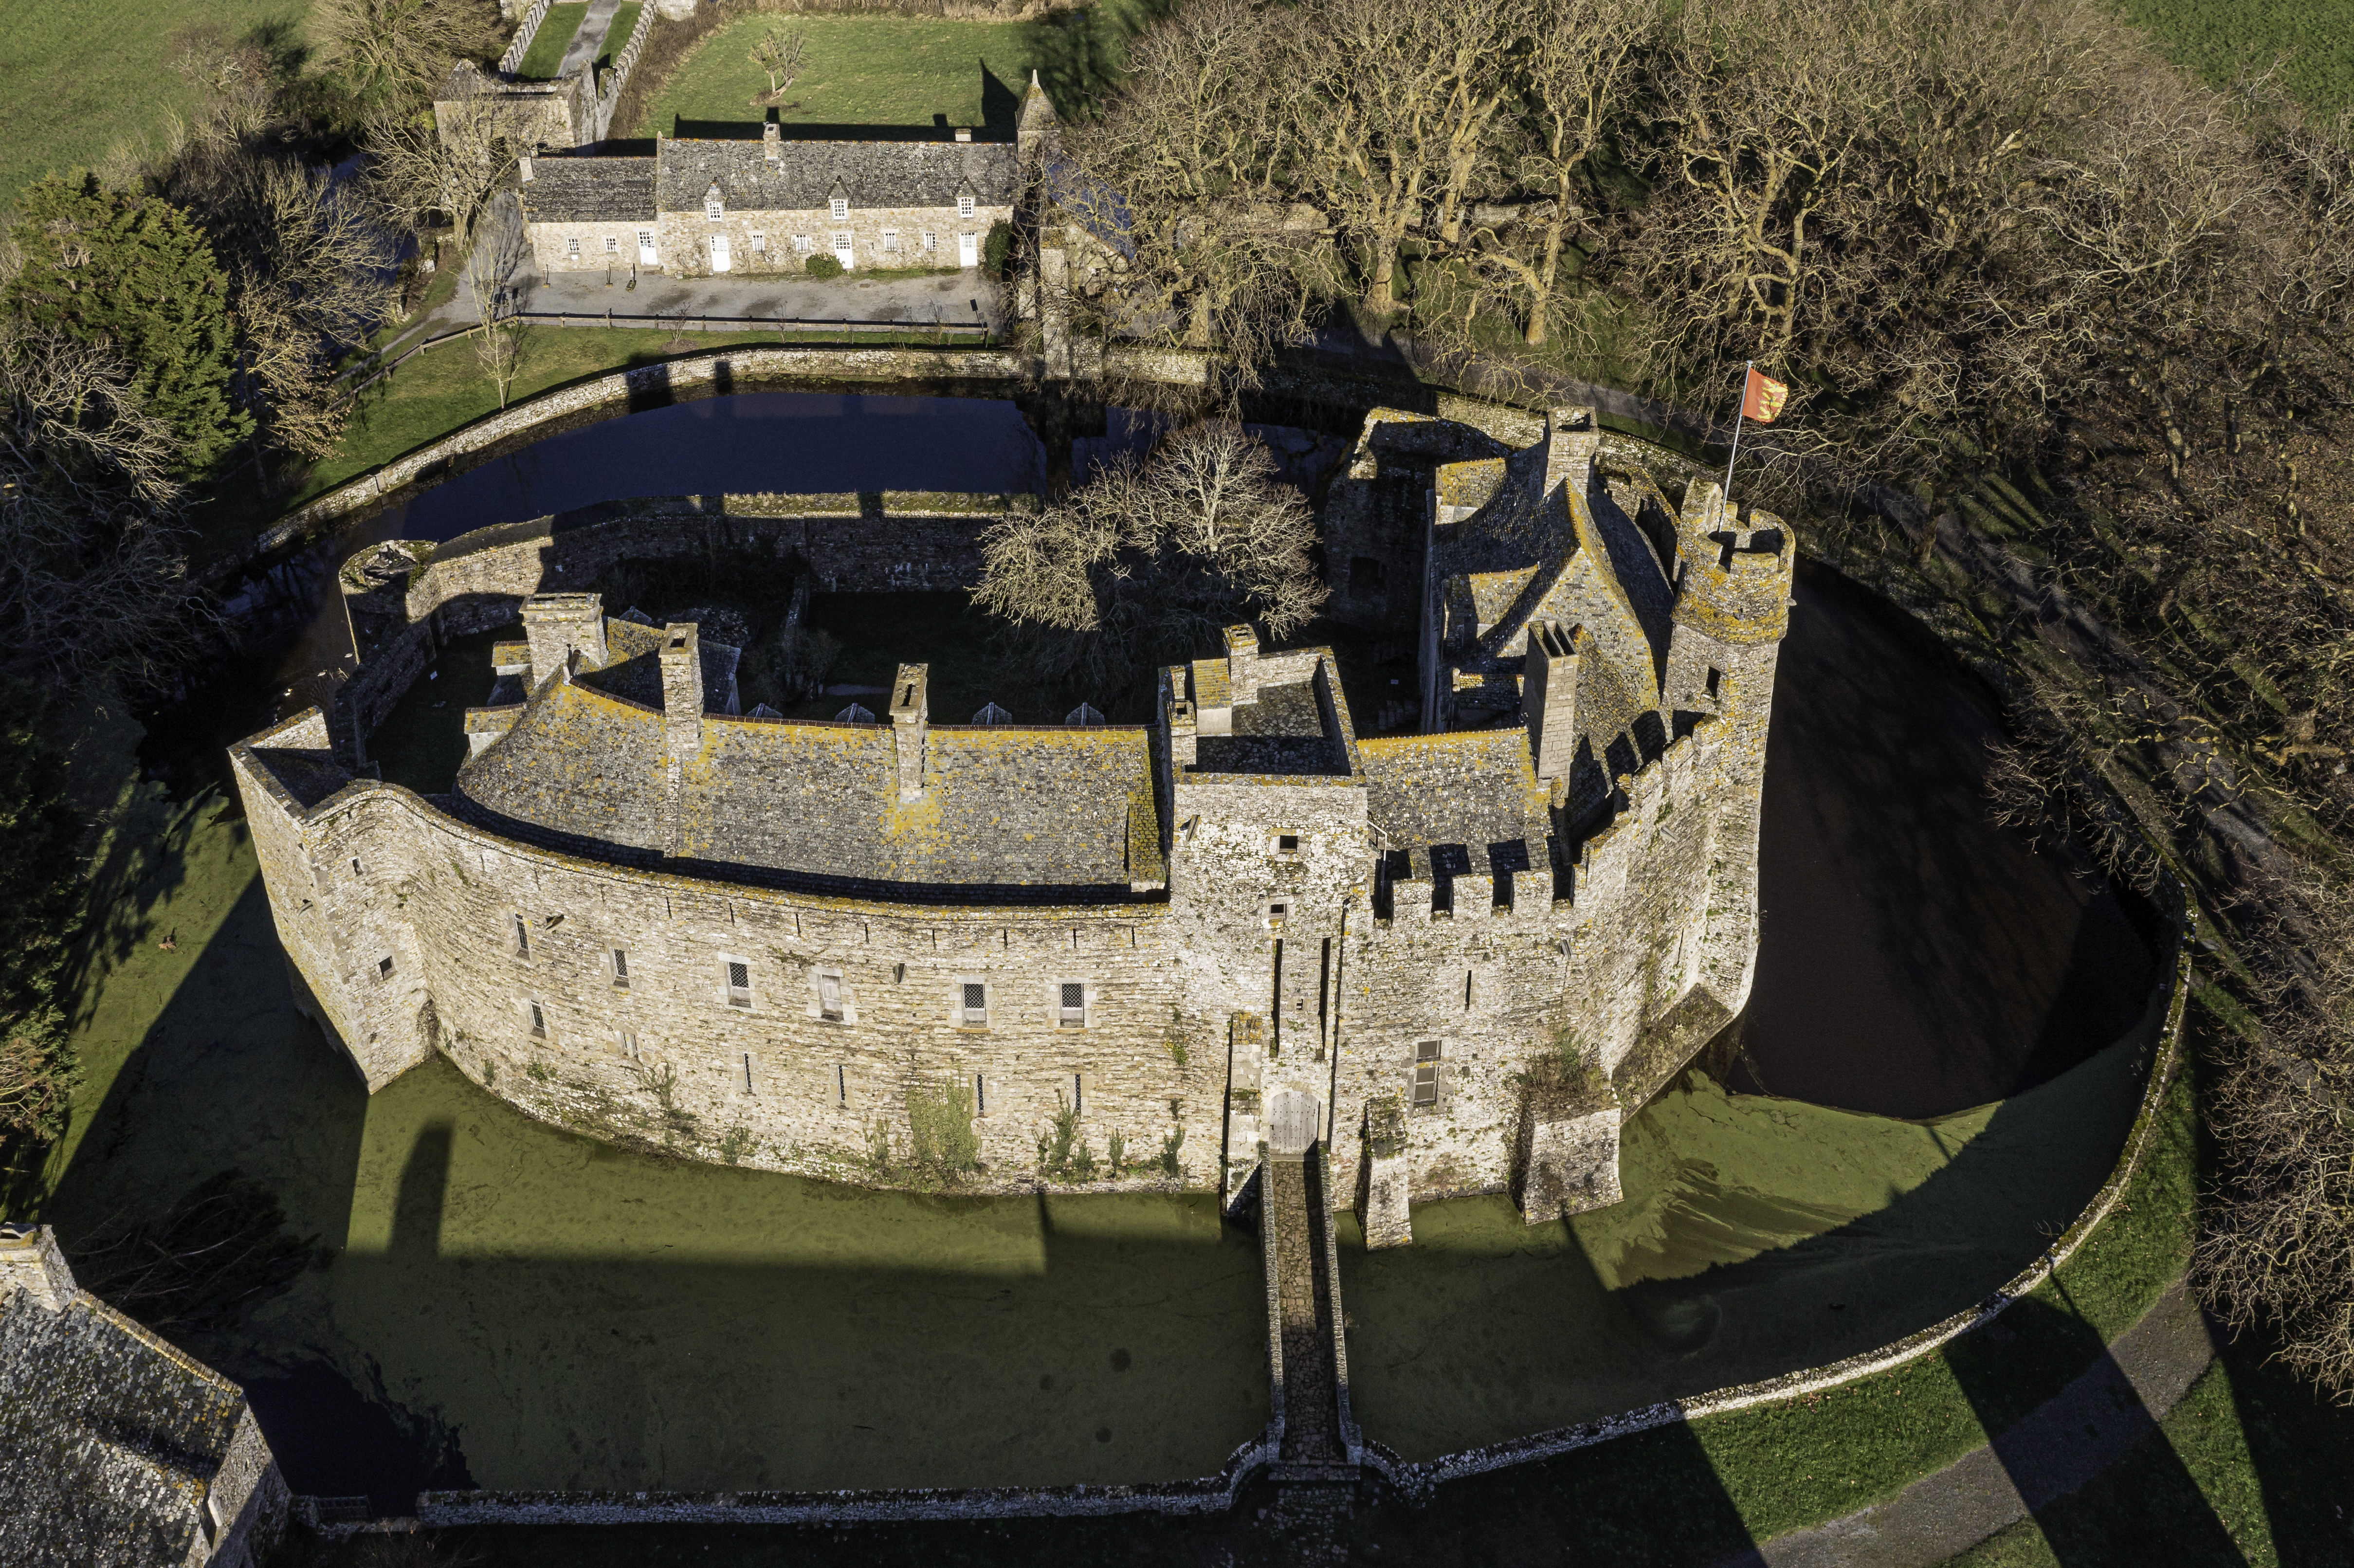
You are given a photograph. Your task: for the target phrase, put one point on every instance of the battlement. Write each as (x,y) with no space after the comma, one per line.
(1735,581)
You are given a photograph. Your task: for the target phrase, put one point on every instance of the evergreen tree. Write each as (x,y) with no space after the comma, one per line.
(132,272)
(38,916)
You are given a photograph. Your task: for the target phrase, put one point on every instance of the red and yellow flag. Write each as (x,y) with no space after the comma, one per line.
(1761,397)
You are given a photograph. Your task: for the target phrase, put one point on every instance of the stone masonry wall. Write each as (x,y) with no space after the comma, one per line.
(684,238)
(771,1084)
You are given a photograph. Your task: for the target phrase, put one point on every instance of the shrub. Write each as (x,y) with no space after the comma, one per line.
(997,248)
(822,266)
(1063,1154)
(942,1145)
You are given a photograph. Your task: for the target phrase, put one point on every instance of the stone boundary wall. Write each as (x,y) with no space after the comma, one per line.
(520,45)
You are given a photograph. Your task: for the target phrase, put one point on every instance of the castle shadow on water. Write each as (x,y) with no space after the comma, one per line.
(1456,958)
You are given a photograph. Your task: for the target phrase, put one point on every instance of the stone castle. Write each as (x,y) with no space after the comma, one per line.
(1453,957)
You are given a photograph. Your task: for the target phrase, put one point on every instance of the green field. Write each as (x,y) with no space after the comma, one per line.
(617,36)
(2311,41)
(895,71)
(77,81)
(555,37)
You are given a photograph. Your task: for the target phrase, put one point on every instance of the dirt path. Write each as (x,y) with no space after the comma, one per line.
(2076,1434)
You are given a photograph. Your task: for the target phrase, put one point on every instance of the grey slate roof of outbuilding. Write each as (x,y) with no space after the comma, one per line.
(871,173)
(111,1437)
(590,190)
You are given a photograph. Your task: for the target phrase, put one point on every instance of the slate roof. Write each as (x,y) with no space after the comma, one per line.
(806,173)
(111,1437)
(1285,732)
(590,190)
(1003,807)
(1478,789)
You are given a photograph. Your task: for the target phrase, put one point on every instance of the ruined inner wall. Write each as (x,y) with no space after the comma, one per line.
(663,1052)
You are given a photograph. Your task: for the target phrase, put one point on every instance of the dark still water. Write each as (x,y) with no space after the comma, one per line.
(1915,956)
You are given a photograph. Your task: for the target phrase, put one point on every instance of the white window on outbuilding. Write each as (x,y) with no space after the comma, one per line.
(760,245)
(890,240)
(842,243)
(964,207)
(840,208)
(572,245)
(931,241)
(612,245)
(803,244)
(712,209)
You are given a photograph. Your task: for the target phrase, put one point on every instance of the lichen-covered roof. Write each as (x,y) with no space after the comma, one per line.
(309,776)
(1002,807)
(805,175)
(590,190)
(1285,732)
(1475,788)
(110,1438)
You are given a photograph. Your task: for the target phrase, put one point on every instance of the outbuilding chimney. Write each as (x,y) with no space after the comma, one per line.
(771,140)
(964,132)
(524,164)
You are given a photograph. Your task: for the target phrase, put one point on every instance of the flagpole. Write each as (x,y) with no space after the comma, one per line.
(1740,405)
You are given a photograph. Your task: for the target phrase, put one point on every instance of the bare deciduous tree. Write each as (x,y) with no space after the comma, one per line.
(780,53)
(453,170)
(1145,563)
(399,50)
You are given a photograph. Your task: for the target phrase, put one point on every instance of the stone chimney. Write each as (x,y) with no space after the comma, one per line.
(964,132)
(30,1262)
(1036,133)
(559,625)
(523,165)
(909,717)
(1572,438)
(771,140)
(1549,696)
(1242,665)
(682,674)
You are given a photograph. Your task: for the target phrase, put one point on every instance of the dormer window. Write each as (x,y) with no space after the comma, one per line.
(840,209)
(964,207)
(711,206)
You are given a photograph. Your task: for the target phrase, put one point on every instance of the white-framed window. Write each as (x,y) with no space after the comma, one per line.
(612,245)
(645,239)
(572,245)
(538,1021)
(803,244)
(712,210)
(842,242)
(1071,1004)
(1425,1074)
(620,969)
(736,978)
(829,995)
(840,209)
(931,240)
(760,245)
(964,207)
(890,240)
(972,1003)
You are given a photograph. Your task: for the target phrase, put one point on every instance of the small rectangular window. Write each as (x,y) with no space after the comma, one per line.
(1074,1004)
(748,1072)
(739,984)
(612,245)
(384,969)
(840,209)
(1076,1085)
(964,207)
(1714,678)
(829,997)
(890,240)
(898,974)
(931,240)
(760,245)
(1275,912)
(842,243)
(621,967)
(804,243)
(841,1085)
(629,1044)
(646,239)
(523,938)
(976,1004)
(356,865)
(539,1023)
(980,1095)
(1425,1073)
(1286,843)
(572,246)
(711,209)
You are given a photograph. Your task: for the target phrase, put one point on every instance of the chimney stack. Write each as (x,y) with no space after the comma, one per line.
(1549,696)
(524,164)
(964,132)
(771,144)
(909,718)
(559,625)
(1572,438)
(1242,664)
(682,676)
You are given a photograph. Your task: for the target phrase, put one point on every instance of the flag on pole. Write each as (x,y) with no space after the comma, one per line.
(1761,397)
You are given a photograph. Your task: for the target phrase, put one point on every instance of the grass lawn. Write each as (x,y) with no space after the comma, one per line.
(617,37)
(555,37)
(79,80)
(2312,40)
(896,70)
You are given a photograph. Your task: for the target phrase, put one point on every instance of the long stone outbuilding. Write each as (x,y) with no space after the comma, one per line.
(1460,954)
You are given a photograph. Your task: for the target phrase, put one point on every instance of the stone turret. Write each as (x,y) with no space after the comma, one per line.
(1037,135)
(1735,585)
(1572,438)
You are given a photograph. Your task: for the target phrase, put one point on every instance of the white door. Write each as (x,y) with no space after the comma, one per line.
(842,247)
(647,256)
(968,251)
(719,262)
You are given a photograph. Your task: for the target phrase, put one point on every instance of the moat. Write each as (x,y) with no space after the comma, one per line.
(508,1305)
